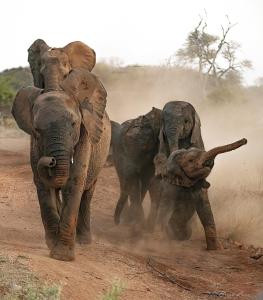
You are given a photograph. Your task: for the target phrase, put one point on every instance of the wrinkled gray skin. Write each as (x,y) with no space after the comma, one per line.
(70,137)
(134,145)
(183,191)
(180,128)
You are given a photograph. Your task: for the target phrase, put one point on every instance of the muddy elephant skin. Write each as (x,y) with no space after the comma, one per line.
(70,136)
(184,192)
(180,129)
(134,145)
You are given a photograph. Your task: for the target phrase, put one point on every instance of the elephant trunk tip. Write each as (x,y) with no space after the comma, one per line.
(211,154)
(47,161)
(243,141)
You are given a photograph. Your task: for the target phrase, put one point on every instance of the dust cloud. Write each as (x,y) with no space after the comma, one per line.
(236,190)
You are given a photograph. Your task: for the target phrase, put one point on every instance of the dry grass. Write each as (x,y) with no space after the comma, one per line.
(18,282)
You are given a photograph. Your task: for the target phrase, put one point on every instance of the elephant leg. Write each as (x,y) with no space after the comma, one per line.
(179,225)
(205,214)
(49,214)
(155,195)
(47,200)
(83,226)
(136,209)
(72,193)
(166,203)
(122,202)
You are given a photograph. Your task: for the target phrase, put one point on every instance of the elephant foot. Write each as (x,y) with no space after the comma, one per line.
(50,241)
(211,238)
(179,234)
(137,230)
(84,238)
(125,219)
(213,244)
(63,252)
(117,219)
(149,225)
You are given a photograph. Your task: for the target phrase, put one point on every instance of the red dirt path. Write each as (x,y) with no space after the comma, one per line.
(150,267)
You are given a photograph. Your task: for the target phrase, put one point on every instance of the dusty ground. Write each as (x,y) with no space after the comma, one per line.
(150,268)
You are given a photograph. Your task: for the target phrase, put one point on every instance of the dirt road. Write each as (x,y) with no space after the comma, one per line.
(149,267)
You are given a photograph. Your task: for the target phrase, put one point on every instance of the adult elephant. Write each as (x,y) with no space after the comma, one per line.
(134,144)
(180,129)
(70,137)
(50,66)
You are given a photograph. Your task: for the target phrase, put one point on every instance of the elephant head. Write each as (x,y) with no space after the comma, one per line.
(55,120)
(50,66)
(187,167)
(181,127)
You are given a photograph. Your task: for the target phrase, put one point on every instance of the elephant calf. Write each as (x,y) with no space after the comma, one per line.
(134,144)
(184,191)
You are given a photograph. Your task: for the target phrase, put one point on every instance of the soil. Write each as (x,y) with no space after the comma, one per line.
(150,267)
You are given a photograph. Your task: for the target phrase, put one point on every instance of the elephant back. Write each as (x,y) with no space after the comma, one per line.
(139,139)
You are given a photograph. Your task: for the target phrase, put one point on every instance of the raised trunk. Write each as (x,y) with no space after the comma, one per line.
(211,154)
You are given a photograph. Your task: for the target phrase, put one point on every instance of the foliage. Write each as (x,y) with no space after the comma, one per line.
(213,54)
(18,282)
(11,81)
(115,291)
(6,92)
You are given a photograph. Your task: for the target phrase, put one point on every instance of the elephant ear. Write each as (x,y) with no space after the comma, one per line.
(34,58)
(92,97)
(93,110)
(80,55)
(22,106)
(196,137)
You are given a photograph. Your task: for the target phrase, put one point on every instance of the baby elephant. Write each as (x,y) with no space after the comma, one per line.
(184,191)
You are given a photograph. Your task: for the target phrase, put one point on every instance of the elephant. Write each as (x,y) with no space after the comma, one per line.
(180,129)
(50,66)
(70,137)
(176,126)
(183,191)
(134,144)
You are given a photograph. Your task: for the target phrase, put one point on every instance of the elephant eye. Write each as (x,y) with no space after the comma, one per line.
(73,124)
(186,121)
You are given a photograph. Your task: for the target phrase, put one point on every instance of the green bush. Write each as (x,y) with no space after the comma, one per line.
(115,291)
(6,92)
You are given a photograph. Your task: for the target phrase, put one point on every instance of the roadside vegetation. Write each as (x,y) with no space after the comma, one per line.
(17,281)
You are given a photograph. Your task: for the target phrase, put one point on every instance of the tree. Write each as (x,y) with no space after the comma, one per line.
(214,55)
(6,92)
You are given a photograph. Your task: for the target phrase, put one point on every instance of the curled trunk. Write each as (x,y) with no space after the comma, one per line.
(54,176)
(57,149)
